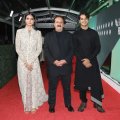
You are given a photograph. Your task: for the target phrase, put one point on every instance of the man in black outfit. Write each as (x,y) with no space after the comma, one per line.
(58,50)
(87,46)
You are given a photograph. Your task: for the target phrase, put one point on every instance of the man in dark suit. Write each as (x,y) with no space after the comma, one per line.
(87,46)
(58,53)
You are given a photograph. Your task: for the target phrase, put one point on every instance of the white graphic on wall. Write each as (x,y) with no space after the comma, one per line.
(105,29)
(117,23)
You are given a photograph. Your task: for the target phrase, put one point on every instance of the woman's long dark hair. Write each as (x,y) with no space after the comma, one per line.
(24,18)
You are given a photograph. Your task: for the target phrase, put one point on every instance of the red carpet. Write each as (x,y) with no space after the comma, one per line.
(11,107)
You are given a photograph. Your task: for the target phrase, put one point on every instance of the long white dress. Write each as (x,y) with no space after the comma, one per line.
(28,48)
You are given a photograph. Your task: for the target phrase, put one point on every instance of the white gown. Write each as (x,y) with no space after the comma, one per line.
(28,48)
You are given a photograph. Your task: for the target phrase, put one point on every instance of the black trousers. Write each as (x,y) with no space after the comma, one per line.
(53,81)
(83,95)
(94,93)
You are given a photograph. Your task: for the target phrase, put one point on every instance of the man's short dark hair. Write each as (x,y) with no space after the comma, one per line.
(60,17)
(84,13)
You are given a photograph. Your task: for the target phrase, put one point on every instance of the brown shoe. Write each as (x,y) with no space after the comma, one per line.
(99,108)
(51,108)
(82,107)
(70,108)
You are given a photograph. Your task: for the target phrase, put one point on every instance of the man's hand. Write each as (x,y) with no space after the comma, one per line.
(59,63)
(56,62)
(62,62)
(86,63)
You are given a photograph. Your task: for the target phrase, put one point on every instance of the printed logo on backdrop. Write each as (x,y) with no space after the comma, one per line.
(105,28)
(108,28)
(117,23)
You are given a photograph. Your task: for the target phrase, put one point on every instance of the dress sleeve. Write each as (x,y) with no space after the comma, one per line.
(97,47)
(38,48)
(18,47)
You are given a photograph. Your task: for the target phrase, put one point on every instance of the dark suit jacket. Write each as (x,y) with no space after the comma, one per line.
(87,45)
(55,50)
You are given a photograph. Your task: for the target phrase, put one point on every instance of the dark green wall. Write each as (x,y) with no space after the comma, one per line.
(7,63)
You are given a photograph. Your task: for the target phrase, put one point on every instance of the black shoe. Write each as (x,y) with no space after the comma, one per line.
(99,108)
(51,108)
(70,108)
(82,107)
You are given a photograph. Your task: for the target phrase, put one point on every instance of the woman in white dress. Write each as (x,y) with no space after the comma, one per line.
(28,48)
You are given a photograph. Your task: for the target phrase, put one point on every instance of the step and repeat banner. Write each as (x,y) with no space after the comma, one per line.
(107,23)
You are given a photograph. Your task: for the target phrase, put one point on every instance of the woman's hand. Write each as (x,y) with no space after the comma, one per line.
(29,66)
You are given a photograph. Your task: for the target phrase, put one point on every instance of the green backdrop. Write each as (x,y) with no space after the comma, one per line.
(115,62)
(7,63)
(107,23)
